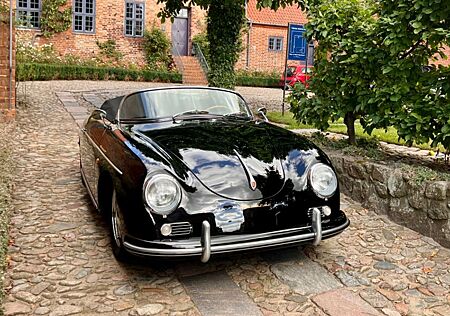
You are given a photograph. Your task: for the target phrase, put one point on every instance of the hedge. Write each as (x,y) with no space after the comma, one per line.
(268,82)
(33,71)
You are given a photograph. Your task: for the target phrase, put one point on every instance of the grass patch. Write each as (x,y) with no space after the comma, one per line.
(389,136)
(421,174)
(6,172)
(287,119)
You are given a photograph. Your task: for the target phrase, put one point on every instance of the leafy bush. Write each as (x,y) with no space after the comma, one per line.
(252,81)
(34,71)
(108,50)
(156,48)
(369,66)
(224,25)
(202,40)
(53,18)
(45,54)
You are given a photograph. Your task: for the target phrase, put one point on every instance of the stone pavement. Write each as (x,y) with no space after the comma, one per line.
(61,262)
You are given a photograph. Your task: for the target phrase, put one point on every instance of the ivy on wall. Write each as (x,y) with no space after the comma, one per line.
(224,24)
(55,17)
(4,11)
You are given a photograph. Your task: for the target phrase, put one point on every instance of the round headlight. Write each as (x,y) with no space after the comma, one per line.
(162,194)
(323,180)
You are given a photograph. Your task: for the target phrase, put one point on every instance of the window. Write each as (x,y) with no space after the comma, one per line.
(29,13)
(275,44)
(84,16)
(134,18)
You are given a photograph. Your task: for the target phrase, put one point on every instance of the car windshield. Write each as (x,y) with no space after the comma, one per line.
(164,103)
(290,71)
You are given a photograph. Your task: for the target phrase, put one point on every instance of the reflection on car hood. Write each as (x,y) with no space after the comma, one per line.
(234,159)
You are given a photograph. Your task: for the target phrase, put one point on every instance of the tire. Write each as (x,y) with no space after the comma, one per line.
(117,230)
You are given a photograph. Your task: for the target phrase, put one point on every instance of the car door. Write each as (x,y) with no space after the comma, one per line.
(90,151)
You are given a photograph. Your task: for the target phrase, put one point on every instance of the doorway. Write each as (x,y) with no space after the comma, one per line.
(180,33)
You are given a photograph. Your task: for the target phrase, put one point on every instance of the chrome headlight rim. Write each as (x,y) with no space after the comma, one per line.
(152,180)
(313,170)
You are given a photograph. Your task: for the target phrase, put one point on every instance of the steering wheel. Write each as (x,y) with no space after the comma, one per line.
(217,107)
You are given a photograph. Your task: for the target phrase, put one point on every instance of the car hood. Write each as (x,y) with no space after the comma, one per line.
(234,159)
(229,157)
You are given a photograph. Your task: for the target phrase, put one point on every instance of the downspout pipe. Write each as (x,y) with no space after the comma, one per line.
(249,22)
(10,53)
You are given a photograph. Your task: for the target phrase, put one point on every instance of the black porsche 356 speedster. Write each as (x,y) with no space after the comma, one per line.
(190,171)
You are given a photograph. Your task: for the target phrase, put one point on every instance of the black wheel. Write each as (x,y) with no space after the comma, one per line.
(117,230)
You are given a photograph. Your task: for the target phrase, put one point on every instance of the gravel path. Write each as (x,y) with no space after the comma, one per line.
(61,262)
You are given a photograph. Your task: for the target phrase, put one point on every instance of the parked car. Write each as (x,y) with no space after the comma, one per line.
(294,74)
(190,171)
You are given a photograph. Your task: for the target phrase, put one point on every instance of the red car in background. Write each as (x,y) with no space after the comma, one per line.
(296,73)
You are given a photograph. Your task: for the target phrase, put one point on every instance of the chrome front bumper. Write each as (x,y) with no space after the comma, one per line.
(207,245)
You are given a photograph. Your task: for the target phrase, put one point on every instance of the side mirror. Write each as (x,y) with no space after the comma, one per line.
(263,112)
(104,118)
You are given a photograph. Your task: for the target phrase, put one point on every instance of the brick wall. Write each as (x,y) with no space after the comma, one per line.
(109,24)
(445,62)
(7,106)
(259,56)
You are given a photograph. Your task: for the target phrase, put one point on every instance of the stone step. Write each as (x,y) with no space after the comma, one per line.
(191,69)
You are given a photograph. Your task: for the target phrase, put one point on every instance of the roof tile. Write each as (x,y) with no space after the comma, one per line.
(292,14)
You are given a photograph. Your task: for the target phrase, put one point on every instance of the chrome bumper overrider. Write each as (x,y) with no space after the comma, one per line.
(207,244)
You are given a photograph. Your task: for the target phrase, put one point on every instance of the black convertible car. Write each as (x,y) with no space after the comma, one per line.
(190,171)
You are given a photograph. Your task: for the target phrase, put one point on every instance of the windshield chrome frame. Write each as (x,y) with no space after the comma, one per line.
(178,88)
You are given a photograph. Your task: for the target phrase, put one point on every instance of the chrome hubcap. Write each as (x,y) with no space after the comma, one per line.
(116,221)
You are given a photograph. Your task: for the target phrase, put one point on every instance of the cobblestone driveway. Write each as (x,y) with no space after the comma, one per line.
(61,263)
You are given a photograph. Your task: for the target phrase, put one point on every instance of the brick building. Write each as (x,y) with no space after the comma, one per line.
(124,22)
(7,68)
(266,41)
(101,20)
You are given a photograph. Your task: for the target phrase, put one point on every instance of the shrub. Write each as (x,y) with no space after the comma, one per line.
(35,71)
(108,51)
(54,19)
(251,81)
(156,48)
(202,40)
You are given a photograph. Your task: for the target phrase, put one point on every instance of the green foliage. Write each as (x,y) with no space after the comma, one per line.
(6,176)
(369,63)
(33,71)
(156,47)
(108,50)
(202,40)
(224,24)
(45,54)
(54,19)
(421,174)
(4,10)
(28,53)
(243,79)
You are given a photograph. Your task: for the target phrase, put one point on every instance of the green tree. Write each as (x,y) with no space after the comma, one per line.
(224,23)
(369,65)
(156,47)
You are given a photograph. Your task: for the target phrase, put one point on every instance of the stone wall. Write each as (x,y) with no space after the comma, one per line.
(386,189)
(7,106)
